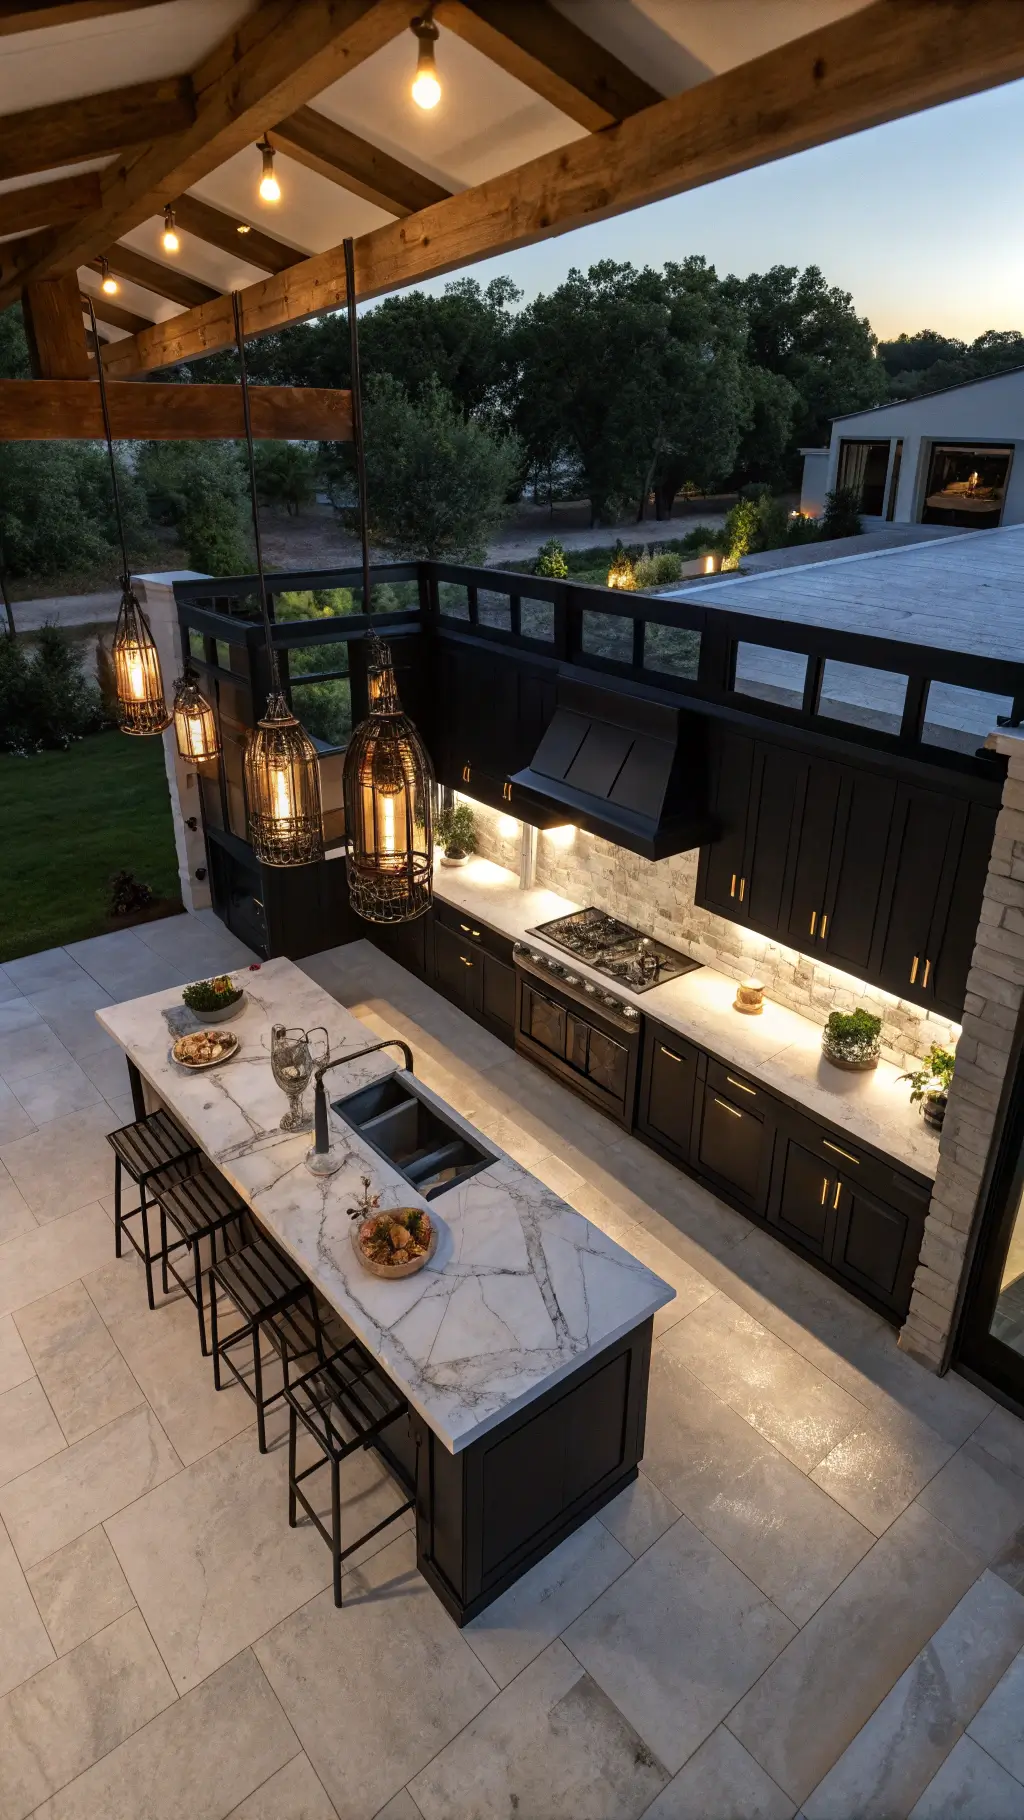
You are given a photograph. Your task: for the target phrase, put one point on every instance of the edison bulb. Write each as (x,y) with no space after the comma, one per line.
(388,807)
(426,89)
(109,286)
(169,241)
(270,189)
(282,796)
(136,674)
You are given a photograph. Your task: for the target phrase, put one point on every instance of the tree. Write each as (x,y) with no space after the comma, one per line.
(704,394)
(766,446)
(286,474)
(199,488)
(57,510)
(436,481)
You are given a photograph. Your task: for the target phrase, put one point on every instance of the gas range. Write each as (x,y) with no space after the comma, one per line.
(621,953)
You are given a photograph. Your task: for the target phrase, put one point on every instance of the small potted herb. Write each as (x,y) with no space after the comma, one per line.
(456,834)
(214,1000)
(852,1039)
(929,1085)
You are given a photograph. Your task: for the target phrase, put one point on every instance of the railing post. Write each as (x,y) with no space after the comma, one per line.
(716,668)
(915,703)
(568,626)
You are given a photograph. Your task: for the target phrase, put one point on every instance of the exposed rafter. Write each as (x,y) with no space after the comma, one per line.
(95,126)
(48,204)
(233,235)
(37,410)
(324,146)
(892,58)
(273,62)
(155,275)
(115,313)
(549,54)
(40,15)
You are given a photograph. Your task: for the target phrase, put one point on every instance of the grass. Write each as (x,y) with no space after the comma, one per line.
(71,820)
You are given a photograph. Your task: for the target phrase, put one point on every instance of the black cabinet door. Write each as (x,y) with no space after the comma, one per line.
(875,1246)
(817,809)
(951,946)
(806,1201)
(497,994)
(720,875)
(666,1094)
(732,1144)
(405,942)
(850,908)
(778,780)
(927,834)
(455,967)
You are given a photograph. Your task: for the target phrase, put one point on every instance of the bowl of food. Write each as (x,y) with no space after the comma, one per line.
(204,1048)
(216,1000)
(395,1243)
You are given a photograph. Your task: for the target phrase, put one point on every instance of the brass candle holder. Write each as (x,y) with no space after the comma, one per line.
(749,998)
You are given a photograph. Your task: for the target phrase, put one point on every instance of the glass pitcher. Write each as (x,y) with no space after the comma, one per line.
(292,1059)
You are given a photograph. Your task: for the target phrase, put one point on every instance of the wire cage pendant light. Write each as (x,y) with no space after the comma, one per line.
(195,725)
(389,788)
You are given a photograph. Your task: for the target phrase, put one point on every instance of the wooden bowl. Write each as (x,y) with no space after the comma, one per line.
(392,1272)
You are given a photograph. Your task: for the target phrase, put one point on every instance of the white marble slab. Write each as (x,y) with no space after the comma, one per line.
(780,1048)
(521,1290)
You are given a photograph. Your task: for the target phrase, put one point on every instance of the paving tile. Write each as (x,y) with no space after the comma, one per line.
(107,1068)
(999,1726)
(46,1257)
(15,1122)
(814,1699)
(639,1515)
(70,1012)
(29,1430)
(971,1786)
(336,1674)
(85,1484)
(164,1357)
(58,1089)
(721,1781)
(1002,1435)
(30,1050)
(551,1744)
(875,1475)
(16,1012)
(15,1364)
(200,1757)
(803,1413)
(79,1590)
(400,1807)
(64,1165)
(49,967)
(782,1532)
(294,1793)
(80,1368)
(24,1645)
(905,1741)
(978,1498)
(123,965)
(69,1714)
(629,1640)
(524,1620)
(15,1213)
(1009,1562)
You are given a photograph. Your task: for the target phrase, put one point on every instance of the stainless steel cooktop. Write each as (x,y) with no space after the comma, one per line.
(615,949)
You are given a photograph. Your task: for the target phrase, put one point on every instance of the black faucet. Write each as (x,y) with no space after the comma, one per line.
(322,1136)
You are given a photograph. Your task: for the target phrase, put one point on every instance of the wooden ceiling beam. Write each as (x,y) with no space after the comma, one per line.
(41,410)
(233,235)
(48,204)
(95,126)
(895,57)
(164,280)
(550,55)
(40,15)
(115,313)
(54,329)
(331,150)
(273,62)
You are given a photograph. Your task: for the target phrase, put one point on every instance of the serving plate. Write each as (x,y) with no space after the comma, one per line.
(393,1272)
(228,1041)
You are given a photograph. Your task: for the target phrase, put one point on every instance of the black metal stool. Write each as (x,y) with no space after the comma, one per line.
(344,1404)
(201,1207)
(151,1147)
(273,1298)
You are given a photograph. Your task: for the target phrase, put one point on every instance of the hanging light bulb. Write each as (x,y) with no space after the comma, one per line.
(108,285)
(169,238)
(195,727)
(270,189)
(140,691)
(426,89)
(389,786)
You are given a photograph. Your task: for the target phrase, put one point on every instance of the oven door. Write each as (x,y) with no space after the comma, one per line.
(608,1064)
(543,1021)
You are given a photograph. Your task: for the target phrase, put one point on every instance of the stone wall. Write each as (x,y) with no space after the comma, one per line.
(658,897)
(995,991)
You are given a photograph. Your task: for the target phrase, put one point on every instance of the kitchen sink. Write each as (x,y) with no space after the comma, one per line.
(431,1152)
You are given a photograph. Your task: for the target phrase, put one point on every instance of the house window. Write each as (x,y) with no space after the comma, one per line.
(894,480)
(863,467)
(966,485)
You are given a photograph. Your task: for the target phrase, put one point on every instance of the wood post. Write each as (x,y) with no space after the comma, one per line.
(57,348)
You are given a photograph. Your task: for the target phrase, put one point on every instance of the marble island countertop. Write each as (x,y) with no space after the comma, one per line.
(521,1290)
(780,1048)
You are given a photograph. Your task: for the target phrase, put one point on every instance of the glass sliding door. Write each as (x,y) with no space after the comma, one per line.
(990,1342)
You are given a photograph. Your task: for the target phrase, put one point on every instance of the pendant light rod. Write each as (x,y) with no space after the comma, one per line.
(236,306)
(105,407)
(357,413)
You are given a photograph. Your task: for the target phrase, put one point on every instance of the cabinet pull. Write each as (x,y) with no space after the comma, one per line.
(742,1085)
(824,926)
(835,1198)
(464,961)
(506,791)
(465,928)
(845,1153)
(824,1188)
(743,886)
(814,919)
(732,887)
(465,774)
(475,933)
(727,1108)
(927,970)
(672,1057)
(913,971)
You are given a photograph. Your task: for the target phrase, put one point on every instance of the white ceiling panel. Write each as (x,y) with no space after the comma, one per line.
(674,44)
(313,213)
(131,296)
(221,271)
(118,49)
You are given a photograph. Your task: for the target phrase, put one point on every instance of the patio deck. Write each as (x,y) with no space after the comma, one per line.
(813,1597)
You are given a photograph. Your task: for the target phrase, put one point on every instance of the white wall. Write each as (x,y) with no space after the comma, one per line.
(815,482)
(156,595)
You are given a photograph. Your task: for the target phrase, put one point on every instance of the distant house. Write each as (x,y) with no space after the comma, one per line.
(953,458)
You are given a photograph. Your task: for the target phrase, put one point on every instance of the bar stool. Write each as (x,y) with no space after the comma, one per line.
(149,1147)
(344,1404)
(274,1299)
(202,1208)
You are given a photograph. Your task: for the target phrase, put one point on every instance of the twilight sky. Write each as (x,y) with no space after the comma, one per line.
(922,220)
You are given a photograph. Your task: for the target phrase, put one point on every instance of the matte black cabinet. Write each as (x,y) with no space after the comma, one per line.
(935,877)
(820,1201)
(841,831)
(472,965)
(734,1135)
(668,1080)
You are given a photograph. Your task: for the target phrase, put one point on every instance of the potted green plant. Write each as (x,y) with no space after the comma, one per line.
(214,1000)
(456,834)
(929,1084)
(852,1039)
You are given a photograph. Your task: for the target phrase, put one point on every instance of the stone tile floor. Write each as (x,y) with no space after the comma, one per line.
(811,1601)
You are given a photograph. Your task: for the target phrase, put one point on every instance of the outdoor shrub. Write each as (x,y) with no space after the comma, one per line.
(668,566)
(758,523)
(842,514)
(16,733)
(286,474)
(437,482)
(455,829)
(551,560)
(128,894)
(199,488)
(46,700)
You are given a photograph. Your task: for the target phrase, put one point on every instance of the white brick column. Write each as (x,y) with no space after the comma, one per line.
(995,991)
(156,593)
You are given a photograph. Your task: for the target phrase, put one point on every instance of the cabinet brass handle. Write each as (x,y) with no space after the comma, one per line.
(845,1153)
(824,1188)
(465,928)
(814,918)
(506,791)
(927,970)
(464,961)
(732,887)
(743,886)
(835,1199)
(727,1108)
(475,933)
(913,971)
(672,1057)
(742,1085)
(824,926)
(465,774)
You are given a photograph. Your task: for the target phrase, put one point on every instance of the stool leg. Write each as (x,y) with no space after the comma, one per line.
(197,1259)
(293,1429)
(147,1254)
(117,1206)
(164,1277)
(257,1384)
(336,1527)
(214,1340)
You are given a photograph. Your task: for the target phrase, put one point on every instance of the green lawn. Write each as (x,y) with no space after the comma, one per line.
(68,822)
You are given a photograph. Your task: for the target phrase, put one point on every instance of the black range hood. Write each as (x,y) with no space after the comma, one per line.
(627,767)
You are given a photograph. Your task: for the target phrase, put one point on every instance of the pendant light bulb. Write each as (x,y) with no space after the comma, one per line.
(169,239)
(108,285)
(195,726)
(270,189)
(426,89)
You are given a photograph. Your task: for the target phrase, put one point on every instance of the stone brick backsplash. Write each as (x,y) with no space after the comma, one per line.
(658,897)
